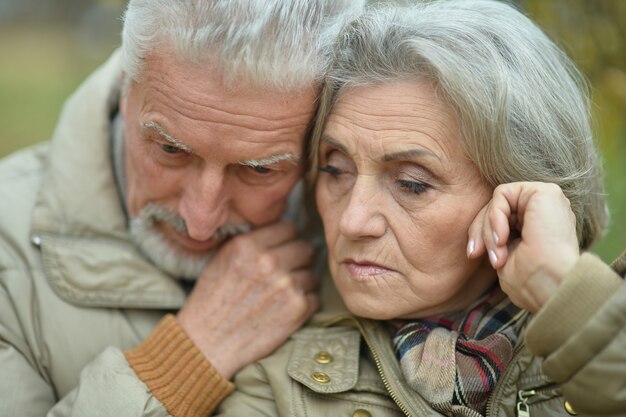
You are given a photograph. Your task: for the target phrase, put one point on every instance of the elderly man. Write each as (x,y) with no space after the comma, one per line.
(123,289)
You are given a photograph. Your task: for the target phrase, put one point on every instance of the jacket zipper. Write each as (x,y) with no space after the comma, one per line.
(503,378)
(522,404)
(523,395)
(523,408)
(377,360)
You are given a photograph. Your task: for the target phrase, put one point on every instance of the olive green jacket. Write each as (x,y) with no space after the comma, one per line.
(345,366)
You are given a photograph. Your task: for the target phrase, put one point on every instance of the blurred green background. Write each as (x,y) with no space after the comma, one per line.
(48,47)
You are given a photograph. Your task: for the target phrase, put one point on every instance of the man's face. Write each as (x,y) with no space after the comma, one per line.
(204,161)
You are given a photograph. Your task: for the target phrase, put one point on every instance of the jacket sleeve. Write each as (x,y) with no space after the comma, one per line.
(254,396)
(109,387)
(264,389)
(165,375)
(581,333)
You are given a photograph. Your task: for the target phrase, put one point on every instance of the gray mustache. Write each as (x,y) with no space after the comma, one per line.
(153,213)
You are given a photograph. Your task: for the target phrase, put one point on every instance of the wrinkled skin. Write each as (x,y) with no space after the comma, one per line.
(397,195)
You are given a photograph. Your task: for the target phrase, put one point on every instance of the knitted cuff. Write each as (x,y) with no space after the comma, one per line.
(581,294)
(177,373)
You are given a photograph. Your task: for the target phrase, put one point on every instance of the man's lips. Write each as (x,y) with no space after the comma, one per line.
(198,245)
(193,245)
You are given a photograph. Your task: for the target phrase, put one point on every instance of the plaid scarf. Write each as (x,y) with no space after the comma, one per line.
(454,361)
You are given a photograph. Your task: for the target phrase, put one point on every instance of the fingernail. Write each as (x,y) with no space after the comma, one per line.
(493,257)
(470,247)
(496,238)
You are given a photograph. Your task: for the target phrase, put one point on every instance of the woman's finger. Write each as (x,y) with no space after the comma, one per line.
(475,244)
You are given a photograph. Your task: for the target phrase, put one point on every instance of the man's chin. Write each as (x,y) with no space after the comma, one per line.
(178,262)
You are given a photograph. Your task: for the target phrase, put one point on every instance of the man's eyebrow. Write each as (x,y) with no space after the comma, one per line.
(409,154)
(167,136)
(271,160)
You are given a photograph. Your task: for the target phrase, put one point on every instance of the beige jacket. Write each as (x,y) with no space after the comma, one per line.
(344,366)
(74,292)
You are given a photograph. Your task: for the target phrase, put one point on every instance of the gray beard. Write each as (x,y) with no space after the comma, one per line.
(154,245)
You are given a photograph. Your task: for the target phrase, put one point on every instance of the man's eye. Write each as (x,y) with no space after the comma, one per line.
(259,169)
(171,149)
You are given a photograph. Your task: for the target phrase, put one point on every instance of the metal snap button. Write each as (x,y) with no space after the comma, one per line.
(320,377)
(323,357)
(361,413)
(570,410)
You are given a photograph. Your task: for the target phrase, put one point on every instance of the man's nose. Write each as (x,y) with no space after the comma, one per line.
(205,203)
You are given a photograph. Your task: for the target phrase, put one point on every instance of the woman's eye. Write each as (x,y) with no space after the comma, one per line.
(329,169)
(413,186)
(171,149)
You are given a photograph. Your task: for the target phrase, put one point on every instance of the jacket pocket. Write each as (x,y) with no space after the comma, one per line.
(330,378)
(326,360)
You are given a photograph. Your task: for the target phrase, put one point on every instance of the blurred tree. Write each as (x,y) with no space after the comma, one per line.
(48,11)
(593,33)
(47,48)
(42,11)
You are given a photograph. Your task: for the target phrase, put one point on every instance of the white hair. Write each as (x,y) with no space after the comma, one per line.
(522,105)
(275,44)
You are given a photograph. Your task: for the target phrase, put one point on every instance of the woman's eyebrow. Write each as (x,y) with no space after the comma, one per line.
(387,157)
(333,142)
(409,154)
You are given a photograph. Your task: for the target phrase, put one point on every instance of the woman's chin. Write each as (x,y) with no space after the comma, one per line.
(361,308)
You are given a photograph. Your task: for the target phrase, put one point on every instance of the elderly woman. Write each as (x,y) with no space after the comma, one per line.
(457,183)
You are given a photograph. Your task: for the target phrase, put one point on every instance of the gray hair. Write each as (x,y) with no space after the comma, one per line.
(275,44)
(522,105)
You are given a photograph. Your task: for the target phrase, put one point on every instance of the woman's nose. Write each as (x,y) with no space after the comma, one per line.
(363,216)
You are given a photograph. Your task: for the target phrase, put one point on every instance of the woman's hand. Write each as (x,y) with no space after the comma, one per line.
(528,230)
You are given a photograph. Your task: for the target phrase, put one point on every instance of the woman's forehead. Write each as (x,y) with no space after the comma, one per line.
(395,117)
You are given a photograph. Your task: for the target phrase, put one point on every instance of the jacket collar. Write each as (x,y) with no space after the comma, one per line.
(79,221)
(523,372)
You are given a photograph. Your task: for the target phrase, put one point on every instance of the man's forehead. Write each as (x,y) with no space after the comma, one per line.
(166,74)
(190,116)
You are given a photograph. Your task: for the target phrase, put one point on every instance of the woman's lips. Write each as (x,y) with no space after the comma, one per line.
(363,270)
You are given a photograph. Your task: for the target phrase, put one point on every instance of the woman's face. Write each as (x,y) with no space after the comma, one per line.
(397,194)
